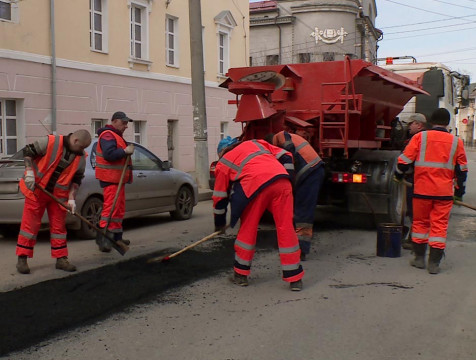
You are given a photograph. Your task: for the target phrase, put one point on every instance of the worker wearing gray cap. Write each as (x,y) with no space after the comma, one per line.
(416,123)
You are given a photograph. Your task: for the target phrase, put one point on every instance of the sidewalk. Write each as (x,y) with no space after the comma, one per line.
(147,234)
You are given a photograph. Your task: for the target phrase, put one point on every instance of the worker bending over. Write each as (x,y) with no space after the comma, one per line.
(438,158)
(309,169)
(57,164)
(249,176)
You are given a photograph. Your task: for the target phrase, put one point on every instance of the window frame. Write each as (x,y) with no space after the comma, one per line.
(4,137)
(104,26)
(144,6)
(223,129)
(175,34)
(142,132)
(225,61)
(14,12)
(93,127)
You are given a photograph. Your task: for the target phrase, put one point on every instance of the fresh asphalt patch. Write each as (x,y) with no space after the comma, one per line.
(35,313)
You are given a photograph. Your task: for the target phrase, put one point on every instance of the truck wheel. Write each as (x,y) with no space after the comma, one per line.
(91,210)
(183,204)
(395,203)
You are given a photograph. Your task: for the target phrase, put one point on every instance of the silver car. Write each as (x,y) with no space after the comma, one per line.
(156,188)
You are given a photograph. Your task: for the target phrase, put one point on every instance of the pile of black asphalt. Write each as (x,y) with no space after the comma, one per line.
(38,312)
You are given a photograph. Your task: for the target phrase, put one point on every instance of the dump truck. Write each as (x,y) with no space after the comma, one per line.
(347,111)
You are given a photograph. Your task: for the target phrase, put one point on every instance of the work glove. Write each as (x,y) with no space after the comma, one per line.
(457,198)
(30,180)
(129,149)
(72,206)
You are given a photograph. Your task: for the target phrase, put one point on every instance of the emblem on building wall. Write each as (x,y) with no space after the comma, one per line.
(329,36)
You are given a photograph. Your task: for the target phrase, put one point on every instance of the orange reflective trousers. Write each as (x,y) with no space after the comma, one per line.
(109,192)
(31,221)
(278,199)
(430,221)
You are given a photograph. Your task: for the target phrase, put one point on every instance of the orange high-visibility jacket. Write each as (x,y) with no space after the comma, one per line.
(44,166)
(305,157)
(245,171)
(111,171)
(435,154)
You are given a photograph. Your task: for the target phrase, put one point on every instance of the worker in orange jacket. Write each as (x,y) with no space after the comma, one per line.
(111,156)
(439,158)
(309,170)
(57,164)
(249,176)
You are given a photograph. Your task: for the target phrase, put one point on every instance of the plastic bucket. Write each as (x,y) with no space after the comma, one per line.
(389,240)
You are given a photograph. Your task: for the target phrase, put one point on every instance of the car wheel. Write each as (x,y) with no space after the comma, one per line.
(183,204)
(91,210)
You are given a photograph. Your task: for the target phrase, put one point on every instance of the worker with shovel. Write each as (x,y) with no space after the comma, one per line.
(113,170)
(56,164)
(307,183)
(249,176)
(439,158)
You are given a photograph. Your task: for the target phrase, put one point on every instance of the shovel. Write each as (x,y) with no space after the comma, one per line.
(168,257)
(119,246)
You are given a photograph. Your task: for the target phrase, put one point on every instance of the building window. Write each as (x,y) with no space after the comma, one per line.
(139,31)
(98,25)
(272,59)
(223,53)
(96,124)
(328,56)
(225,24)
(171,40)
(8,127)
(5,10)
(139,130)
(304,58)
(223,130)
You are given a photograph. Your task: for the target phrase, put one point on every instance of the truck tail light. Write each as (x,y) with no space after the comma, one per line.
(343,177)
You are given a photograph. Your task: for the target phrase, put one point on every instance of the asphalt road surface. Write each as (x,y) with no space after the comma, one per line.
(354,305)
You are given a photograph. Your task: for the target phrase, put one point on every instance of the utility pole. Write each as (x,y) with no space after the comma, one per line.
(198,94)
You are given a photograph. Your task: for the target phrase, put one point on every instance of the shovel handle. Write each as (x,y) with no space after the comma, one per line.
(457,202)
(168,257)
(122,248)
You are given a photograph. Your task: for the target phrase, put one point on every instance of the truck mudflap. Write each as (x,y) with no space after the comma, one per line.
(380,196)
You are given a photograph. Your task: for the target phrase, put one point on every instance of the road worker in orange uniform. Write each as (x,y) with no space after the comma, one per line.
(309,169)
(111,156)
(250,177)
(57,164)
(439,158)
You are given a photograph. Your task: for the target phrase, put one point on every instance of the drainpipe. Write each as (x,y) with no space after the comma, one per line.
(53,67)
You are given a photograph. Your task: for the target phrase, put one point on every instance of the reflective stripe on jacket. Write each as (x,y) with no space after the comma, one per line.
(243,172)
(305,157)
(435,153)
(111,171)
(44,167)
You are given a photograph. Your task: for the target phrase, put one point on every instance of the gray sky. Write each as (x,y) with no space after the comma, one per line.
(430,30)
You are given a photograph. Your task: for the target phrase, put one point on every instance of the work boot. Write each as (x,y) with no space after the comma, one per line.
(296,285)
(434,260)
(126,242)
(102,242)
(22,265)
(303,256)
(419,260)
(62,263)
(238,279)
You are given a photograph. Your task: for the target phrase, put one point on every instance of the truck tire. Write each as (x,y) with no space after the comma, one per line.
(380,200)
